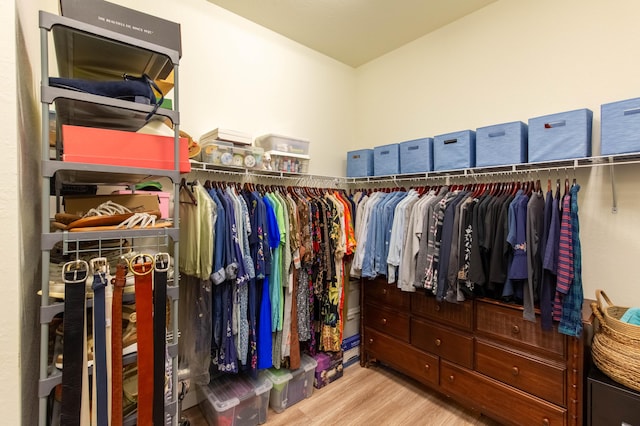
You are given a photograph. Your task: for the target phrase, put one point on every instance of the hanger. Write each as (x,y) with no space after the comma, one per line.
(183,185)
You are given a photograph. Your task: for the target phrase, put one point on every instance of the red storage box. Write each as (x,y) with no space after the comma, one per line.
(119,148)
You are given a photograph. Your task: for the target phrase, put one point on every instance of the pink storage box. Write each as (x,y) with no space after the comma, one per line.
(120,148)
(163,199)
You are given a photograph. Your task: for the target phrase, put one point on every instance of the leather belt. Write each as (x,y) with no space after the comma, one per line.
(142,266)
(160,273)
(116,342)
(99,266)
(74,274)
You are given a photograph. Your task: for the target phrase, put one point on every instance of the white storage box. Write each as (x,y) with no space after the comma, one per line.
(235,400)
(291,386)
(352,324)
(286,144)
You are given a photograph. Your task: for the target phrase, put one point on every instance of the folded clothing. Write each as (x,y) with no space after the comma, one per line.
(631,316)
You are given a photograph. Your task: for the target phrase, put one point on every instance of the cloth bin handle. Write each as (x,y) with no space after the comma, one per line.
(355,156)
(631,111)
(449,141)
(413,148)
(384,152)
(558,123)
(497,134)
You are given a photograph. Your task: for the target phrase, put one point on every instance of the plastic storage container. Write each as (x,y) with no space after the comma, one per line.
(272,142)
(416,156)
(235,400)
(501,144)
(352,324)
(285,162)
(561,136)
(386,160)
(620,127)
(360,163)
(291,386)
(455,150)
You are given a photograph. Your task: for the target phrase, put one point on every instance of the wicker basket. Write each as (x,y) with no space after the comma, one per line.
(613,313)
(615,353)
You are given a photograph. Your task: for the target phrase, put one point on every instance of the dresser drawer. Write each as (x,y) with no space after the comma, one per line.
(401,356)
(508,404)
(379,291)
(507,323)
(544,379)
(395,324)
(456,314)
(447,343)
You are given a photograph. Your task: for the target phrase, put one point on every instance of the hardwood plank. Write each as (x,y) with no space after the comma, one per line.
(368,396)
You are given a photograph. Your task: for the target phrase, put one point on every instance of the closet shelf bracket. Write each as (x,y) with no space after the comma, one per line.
(614,207)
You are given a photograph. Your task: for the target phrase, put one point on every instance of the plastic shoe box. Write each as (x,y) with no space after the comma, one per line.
(352,324)
(360,163)
(291,386)
(328,369)
(386,160)
(416,156)
(452,151)
(561,136)
(273,142)
(620,127)
(501,144)
(235,400)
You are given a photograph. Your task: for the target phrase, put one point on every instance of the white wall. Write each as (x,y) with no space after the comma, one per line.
(514,60)
(238,75)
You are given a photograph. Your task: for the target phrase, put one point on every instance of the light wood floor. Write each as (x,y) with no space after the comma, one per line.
(369,396)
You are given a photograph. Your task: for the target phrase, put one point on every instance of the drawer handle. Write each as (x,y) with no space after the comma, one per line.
(515,329)
(438,342)
(370,340)
(438,308)
(384,291)
(427,367)
(546,421)
(384,321)
(515,371)
(451,378)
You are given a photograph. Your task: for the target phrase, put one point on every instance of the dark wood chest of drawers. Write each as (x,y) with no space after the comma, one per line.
(480,352)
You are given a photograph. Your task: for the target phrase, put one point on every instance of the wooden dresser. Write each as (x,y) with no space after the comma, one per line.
(481,353)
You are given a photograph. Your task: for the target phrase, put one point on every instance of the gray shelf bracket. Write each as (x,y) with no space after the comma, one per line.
(614,206)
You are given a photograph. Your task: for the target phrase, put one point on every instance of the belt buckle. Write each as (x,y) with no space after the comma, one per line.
(140,260)
(162,261)
(76,267)
(99,264)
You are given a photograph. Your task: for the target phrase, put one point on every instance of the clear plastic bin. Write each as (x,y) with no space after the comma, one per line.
(272,142)
(235,400)
(291,386)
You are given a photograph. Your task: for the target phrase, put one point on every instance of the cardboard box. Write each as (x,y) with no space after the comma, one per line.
(163,199)
(79,205)
(126,21)
(328,369)
(120,148)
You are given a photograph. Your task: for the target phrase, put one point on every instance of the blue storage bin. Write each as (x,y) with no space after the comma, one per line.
(561,136)
(360,163)
(620,127)
(416,156)
(386,160)
(501,144)
(455,150)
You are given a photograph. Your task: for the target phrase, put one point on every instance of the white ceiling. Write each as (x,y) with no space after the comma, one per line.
(352,31)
